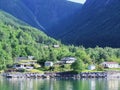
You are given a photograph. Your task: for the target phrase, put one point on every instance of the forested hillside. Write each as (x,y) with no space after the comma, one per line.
(19,39)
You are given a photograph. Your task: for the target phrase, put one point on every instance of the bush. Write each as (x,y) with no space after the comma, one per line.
(100,68)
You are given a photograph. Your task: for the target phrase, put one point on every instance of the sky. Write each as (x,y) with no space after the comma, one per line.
(77,1)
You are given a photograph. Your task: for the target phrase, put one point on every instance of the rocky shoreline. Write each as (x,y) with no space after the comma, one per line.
(64,75)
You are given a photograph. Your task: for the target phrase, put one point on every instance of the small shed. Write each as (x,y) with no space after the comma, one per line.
(56,46)
(48,63)
(91,67)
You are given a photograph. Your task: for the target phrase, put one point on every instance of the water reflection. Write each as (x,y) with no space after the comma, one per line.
(44,84)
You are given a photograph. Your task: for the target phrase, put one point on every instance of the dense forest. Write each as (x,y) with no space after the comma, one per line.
(19,39)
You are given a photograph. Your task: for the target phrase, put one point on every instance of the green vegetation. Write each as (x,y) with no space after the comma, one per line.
(19,39)
(78,65)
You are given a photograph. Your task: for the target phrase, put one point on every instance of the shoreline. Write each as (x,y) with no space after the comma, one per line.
(63,75)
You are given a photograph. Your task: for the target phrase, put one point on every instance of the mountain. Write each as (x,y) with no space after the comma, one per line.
(42,14)
(96,24)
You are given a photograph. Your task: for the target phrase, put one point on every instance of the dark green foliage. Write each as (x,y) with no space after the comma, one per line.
(99,68)
(78,65)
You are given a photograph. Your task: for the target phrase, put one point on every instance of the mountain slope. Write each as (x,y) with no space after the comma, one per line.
(96,24)
(19,10)
(19,39)
(42,14)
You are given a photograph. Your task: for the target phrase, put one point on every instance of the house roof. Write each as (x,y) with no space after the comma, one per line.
(68,59)
(110,62)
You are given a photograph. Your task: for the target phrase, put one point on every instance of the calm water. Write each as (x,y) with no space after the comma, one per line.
(39,84)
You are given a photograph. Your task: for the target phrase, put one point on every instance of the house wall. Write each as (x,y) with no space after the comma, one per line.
(111,65)
(48,64)
(91,67)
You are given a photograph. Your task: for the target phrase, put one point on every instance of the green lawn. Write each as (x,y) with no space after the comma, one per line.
(114,69)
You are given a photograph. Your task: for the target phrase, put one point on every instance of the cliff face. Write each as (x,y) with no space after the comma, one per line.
(96,24)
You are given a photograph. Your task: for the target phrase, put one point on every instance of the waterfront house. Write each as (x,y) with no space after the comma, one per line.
(25,64)
(48,63)
(68,60)
(91,67)
(110,65)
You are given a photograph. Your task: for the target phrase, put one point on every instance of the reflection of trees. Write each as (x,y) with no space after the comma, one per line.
(45,84)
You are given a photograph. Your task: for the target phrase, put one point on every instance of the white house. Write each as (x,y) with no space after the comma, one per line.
(25,64)
(68,60)
(110,65)
(56,46)
(48,63)
(91,67)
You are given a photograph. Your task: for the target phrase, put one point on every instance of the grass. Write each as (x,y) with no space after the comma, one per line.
(1,71)
(114,69)
(91,71)
(35,71)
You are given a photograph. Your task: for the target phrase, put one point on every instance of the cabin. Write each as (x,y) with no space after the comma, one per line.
(110,65)
(91,67)
(48,64)
(68,60)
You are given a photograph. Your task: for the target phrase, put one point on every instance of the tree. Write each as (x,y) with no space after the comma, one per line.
(78,65)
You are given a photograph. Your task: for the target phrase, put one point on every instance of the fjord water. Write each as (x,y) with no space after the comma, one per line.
(45,84)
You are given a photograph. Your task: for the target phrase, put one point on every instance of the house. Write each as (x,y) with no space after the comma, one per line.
(25,64)
(56,46)
(68,60)
(91,67)
(110,65)
(48,63)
